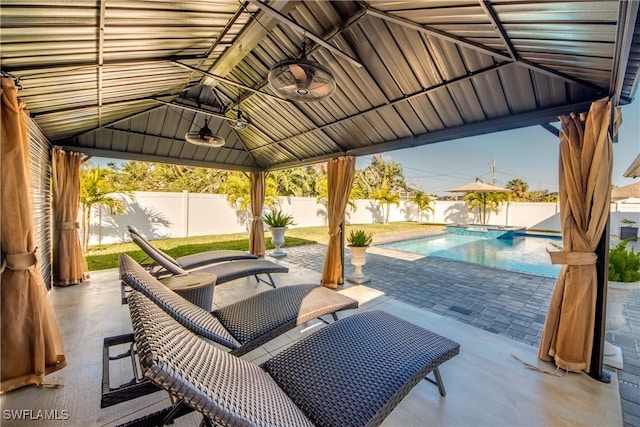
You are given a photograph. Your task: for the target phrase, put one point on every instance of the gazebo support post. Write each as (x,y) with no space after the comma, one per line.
(342,250)
(596,369)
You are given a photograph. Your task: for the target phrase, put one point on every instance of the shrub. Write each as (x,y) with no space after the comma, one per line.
(624,264)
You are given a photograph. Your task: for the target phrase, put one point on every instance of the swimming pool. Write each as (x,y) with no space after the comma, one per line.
(522,254)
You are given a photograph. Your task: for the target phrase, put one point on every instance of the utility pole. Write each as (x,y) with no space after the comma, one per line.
(492,167)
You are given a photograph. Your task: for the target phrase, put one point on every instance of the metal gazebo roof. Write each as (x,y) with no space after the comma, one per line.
(128,79)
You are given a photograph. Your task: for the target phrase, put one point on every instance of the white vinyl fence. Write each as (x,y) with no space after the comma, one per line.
(163,215)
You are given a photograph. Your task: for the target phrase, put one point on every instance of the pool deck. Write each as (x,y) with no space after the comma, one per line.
(499,301)
(496,315)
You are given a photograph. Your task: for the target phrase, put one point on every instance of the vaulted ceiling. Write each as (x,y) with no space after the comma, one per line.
(128,78)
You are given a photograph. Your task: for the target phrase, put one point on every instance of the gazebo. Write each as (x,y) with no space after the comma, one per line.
(258,86)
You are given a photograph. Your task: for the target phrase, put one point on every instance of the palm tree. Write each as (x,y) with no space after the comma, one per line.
(96,189)
(386,196)
(519,189)
(237,190)
(422,202)
(482,201)
(292,182)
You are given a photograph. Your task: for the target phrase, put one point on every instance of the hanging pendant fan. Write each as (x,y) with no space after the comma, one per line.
(302,79)
(204,137)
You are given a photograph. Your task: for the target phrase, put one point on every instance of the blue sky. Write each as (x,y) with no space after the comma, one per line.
(527,153)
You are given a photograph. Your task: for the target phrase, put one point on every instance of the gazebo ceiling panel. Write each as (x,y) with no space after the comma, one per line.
(96,77)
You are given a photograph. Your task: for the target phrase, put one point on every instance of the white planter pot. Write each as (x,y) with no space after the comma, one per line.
(358,259)
(277,238)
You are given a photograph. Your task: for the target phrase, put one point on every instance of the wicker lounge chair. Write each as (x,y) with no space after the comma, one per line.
(240,327)
(196,260)
(225,271)
(353,372)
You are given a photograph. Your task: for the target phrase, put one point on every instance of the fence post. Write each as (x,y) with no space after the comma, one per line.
(185,212)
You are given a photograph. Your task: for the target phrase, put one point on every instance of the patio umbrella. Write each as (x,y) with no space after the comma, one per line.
(481,188)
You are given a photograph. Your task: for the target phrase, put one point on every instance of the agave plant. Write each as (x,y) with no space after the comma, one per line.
(277,219)
(359,239)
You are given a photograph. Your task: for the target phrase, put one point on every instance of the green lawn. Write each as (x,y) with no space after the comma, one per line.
(100,257)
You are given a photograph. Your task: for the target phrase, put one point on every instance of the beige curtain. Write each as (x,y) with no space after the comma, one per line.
(31,341)
(69,263)
(256,234)
(340,173)
(585,194)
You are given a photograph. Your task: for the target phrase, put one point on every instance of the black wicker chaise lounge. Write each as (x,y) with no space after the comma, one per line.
(352,372)
(240,327)
(196,260)
(225,271)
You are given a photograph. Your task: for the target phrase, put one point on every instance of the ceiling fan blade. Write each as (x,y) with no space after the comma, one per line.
(298,73)
(289,88)
(321,88)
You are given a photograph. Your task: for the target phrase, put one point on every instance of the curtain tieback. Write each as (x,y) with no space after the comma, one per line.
(572,258)
(16,262)
(69,225)
(257,218)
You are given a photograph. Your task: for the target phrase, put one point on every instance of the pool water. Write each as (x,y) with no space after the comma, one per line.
(522,254)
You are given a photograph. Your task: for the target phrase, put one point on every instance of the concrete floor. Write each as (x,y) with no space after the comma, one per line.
(490,383)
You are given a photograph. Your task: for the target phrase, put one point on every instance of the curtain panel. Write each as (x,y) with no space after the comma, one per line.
(69,264)
(257,244)
(31,341)
(340,174)
(586,161)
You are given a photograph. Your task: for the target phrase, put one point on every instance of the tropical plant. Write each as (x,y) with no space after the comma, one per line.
(484,201)
(627,221)
(277,219)
(96,189)
(237,190)
(624,264)
(386,197)
(422,202)
(378,174)
(519,189)
(293,182)
(148,176)
(359,238)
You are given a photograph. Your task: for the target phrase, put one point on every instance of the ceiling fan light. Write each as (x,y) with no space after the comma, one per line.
(241,123)
(302,80)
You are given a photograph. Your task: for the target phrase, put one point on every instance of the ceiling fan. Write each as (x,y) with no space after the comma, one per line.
(302,79)
(204,137)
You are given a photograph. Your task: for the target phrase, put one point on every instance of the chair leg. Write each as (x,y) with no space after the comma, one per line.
(270,282)
(438,382)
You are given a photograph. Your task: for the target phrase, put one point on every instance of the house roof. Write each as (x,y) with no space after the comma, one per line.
(628,191)
(128,79)
(633,171)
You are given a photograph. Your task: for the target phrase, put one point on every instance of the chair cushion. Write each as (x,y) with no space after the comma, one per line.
(232,270)
(356,370)
(193,317)
(271,313)
(210,257)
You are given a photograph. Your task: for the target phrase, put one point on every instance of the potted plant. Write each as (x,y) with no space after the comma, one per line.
(628,231)
(278,223)
(359,241)
(624,275)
